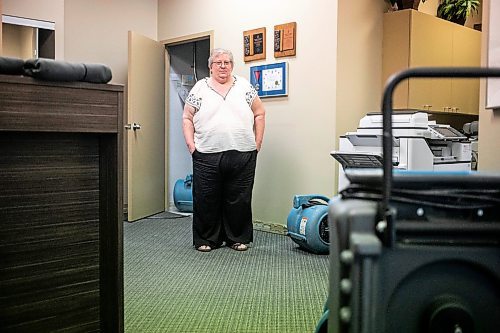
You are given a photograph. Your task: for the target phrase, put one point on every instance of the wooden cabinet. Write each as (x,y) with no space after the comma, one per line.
(415,39)
(61,206)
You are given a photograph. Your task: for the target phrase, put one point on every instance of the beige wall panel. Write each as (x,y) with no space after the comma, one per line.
(97,31)
(300,128)
(489,120)
(45,10)
(359,63)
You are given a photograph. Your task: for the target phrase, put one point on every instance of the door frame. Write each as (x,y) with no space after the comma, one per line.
(172,42)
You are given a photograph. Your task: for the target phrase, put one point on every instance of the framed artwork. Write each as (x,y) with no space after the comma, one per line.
(270,80)
(285,39)
(254,44)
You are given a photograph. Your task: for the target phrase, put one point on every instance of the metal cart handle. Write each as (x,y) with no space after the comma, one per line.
(392,82)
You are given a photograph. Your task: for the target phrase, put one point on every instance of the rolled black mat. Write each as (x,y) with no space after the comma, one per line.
(56,70)
(52,70)
(97,73)
(11,66)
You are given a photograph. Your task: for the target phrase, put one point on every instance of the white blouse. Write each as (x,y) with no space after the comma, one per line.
(223,123)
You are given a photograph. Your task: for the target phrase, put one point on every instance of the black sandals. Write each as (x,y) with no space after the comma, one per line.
(239,247)
(204,248)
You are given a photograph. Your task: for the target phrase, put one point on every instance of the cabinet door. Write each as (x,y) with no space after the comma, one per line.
(466,53)
(430,45)
(396,52)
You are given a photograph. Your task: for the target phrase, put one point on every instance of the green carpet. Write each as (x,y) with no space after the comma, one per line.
(170,287)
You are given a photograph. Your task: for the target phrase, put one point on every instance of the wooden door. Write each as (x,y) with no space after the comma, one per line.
(146,127)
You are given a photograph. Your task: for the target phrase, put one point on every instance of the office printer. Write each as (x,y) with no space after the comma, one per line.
(419,144)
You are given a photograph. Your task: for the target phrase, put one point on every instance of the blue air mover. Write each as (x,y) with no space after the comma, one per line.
(183,194)
(307,223)
(322,326)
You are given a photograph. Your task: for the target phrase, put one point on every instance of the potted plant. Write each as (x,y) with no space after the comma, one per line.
(457,10)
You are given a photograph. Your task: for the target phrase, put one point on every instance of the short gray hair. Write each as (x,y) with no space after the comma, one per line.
(216,52)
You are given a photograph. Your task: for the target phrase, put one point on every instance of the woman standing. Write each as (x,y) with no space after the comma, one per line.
(223,125)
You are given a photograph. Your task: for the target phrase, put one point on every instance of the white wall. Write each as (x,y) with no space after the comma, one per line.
(300,129)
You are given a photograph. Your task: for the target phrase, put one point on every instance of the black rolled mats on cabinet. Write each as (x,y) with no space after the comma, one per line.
(56,70)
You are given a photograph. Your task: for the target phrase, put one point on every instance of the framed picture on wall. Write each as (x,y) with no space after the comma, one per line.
(270,80)
(254,44)
(285,39)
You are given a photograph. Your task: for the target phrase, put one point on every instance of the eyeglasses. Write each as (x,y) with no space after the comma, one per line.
(220,63)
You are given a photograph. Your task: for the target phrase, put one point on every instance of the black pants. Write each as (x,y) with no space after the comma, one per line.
(222,197)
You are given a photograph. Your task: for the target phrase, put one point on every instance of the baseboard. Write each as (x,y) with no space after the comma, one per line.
(178,212)
(274,228)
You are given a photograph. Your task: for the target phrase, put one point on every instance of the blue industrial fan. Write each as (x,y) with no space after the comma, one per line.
(307,223)
(183,194)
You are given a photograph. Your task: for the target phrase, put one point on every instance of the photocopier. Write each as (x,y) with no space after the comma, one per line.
(418,144)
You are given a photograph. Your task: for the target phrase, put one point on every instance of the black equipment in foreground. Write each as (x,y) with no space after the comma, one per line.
(415,251)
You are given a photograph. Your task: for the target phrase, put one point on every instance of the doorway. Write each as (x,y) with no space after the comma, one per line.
(178,63)
(188,63)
